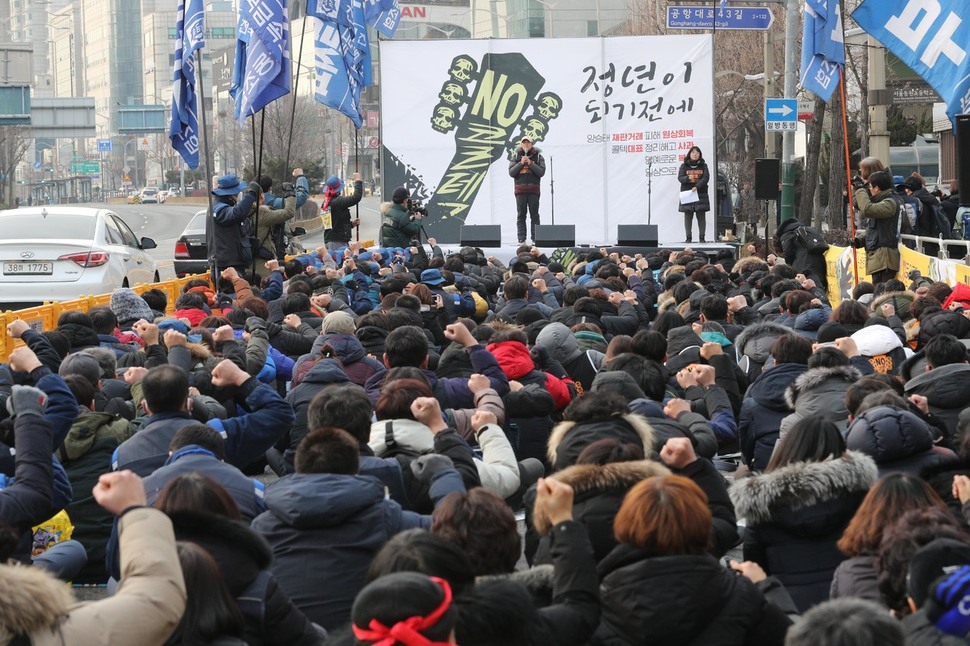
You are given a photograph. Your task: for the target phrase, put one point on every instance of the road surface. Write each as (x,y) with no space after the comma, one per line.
(164,224)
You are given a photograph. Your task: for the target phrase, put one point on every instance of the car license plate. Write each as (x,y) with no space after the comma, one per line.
(27,268)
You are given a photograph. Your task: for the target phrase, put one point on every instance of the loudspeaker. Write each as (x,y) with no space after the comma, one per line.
(637,235)
(555,235)
(767,177)
(963,157)
(482,235)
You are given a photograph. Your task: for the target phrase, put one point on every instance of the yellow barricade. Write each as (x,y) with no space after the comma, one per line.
(44,317)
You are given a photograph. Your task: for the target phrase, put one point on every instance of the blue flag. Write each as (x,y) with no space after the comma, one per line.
(184,127)
(262,72)
(343,66)
(823,47)
(931,37)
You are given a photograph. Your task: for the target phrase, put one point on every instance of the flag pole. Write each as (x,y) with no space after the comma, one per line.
(848,175)
(205,159)
(357,170)
(259,171)
(296,87)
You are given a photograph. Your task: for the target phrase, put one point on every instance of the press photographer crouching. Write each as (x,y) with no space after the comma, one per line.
(400,219)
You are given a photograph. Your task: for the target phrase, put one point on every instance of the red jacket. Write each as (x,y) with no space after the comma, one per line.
(516,362)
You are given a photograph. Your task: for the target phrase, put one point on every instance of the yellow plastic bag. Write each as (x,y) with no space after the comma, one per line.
(56,530)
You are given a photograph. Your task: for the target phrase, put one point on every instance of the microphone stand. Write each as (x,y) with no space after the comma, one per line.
(552,190)
(649,191)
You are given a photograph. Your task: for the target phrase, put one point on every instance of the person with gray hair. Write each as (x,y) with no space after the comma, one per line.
(846,622)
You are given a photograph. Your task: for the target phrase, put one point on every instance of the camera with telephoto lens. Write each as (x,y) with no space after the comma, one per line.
(858,182)
(415,207)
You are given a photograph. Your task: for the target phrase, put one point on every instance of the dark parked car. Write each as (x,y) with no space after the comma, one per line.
(191,252)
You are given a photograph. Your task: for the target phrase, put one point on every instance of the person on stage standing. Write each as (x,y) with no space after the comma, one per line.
(695,176)
(527,168)
(341,224)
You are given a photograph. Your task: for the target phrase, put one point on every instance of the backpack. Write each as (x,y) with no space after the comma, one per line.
(811,239)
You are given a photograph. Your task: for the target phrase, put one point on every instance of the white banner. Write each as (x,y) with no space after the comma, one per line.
(606,113)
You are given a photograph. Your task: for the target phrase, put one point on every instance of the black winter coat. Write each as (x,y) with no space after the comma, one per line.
(691,175)
(762,410)
(340,218)
(795,516)
(897,440)
(241,555)
(599,493)
(682,601)
(947,390)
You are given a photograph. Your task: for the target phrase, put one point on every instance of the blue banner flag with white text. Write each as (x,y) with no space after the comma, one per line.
(262,72)
(931,37)
(189,36)
(342,57)
(823,47)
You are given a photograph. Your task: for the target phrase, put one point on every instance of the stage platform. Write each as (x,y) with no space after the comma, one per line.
(507,252)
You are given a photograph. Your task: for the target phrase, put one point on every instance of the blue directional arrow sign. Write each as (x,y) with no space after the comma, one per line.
(781,115)
(697,17)
(104,145)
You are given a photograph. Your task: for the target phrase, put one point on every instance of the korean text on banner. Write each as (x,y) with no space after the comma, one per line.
(264,54)
(931,37)
(823,47)
(608,114)
(189,36)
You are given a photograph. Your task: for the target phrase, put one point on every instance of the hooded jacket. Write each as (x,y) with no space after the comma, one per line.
(145,610)
(562,346)
(897,440)
(688,424)
(682,601)
(228,241)
(243,555)
(332,526)
(820,392)
(947,390)
(568,439)
(796,514)
(324,373)
(753,346)
(762,411)
(353,357)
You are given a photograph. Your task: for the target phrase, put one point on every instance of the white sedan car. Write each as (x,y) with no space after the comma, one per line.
(57,253)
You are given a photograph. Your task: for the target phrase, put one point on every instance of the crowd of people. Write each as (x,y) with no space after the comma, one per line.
(405,446)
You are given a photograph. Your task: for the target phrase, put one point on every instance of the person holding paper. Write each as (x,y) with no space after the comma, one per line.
(694,177)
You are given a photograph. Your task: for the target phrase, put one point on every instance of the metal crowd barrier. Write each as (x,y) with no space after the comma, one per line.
(947,249)
(44,317)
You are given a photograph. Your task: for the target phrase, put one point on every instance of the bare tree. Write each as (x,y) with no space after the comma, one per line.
(307,133)
(14,141)
(806,207)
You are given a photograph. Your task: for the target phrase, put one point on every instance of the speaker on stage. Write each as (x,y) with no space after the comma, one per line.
(637,235)
(481,235)
(555,235)
(767,177)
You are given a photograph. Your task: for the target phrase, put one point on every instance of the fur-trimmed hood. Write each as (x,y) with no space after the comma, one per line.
(899,300)
(750,336)
(568,439)
(584,478)
(32,600)
(815,378)
(760,498)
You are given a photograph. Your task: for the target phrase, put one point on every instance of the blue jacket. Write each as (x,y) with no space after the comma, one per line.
(454,392)
(332,526)
(302,194)
(247,436)
(248,493)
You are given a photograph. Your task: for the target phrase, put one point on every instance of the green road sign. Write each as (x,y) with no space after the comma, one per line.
(85,167)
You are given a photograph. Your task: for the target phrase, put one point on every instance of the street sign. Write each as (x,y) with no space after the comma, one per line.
(806,110)
(781,115)
(126,169)
(144,143)
(86,167)
(126,179)
(698,17)
(36,165)
(104,145)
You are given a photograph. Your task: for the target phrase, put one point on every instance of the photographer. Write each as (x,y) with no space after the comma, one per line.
(400,220)
(880,211)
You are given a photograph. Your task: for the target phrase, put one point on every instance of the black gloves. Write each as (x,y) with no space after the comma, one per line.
(288,190)
(428,466)
(255,189)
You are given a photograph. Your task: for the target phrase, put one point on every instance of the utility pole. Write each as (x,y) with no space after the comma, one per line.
(788,137)
(879,98)
(770,150)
